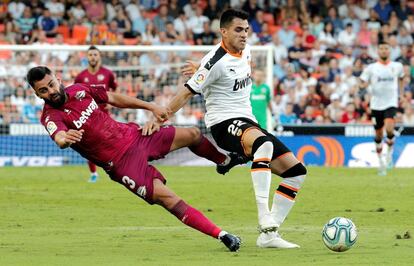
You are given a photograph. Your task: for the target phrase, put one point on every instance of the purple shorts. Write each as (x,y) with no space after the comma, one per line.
(132,169)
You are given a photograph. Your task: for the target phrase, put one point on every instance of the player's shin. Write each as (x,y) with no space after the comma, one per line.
(285,194)
(195,219)
(390,144)
(207,150)
(262,176)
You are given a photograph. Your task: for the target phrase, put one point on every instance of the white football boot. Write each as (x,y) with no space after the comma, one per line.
(273,240)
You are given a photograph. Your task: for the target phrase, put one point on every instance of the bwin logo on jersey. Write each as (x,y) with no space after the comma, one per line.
(241,84)
(85,114)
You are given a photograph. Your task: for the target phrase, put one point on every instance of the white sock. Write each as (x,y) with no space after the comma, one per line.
(282,203)
(262,177)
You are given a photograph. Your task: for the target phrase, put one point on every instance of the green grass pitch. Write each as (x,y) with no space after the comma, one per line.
(52,216)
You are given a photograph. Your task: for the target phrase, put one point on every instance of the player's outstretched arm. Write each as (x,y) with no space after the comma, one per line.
(66,138)
(123,101)
(179,100)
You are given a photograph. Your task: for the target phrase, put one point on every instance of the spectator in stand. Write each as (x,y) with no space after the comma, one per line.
(408,115)
(213,10)
(257,22)
(173,35)
(111,7)
(288,116)
(56,8)
(207,37)
(395,50)
(36,6)
(307,117)
(404,38)
(196,22)
(334,19)
(347,36)
(190,8)
(334,109)
(180,24)
(296,52)
(402,10)
(353,19)
(316,26)
(361,10)
(47,24)
(162,18)
(31,111)
(286,35)
(265,36)
(76,12)
(279,51)
(350,116)
(374,23)
(174,8)
(383,9)
(24,26)
(251,7)
(95,10)
(327,36)
(404,57)
(346,8)
(133,11)
(123,23)
(363,35)
(150,35)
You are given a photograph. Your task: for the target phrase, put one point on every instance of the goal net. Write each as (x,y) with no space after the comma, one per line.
(150,73)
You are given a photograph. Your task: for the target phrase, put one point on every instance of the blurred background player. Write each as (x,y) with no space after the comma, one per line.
(260,98)
(384,80)
(121,149)
(101,78)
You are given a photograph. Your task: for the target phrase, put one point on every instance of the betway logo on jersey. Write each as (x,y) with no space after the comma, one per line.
(86,114)
(241,84)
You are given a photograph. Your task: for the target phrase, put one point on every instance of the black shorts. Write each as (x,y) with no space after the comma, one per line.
(229,133)
(378,116)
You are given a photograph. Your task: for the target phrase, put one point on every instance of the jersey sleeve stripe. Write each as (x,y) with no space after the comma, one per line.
(190,89)
(216,57)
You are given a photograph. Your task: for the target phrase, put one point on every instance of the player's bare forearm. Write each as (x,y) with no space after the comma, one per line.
(123,101)
(179,100)
(401,87)
(66,138)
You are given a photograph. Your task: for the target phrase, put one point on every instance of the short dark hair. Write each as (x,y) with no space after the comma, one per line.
(228,16)
(383,43)
(93,47)
(37,73)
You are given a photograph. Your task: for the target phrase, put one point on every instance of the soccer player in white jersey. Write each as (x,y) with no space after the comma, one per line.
(384,81)
(223,78)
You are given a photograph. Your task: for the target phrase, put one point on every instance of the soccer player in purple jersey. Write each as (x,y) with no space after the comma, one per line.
(101,78)
(73,119)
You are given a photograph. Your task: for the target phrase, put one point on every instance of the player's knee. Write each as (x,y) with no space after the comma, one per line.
(195,133)
(262,147)
(297,170)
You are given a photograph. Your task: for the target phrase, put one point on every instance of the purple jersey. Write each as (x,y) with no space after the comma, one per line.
(104,139)
(103,79)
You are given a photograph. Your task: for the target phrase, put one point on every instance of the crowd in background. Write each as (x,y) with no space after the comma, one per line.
(320,48)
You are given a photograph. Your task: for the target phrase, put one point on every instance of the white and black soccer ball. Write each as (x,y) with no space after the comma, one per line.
(339,234)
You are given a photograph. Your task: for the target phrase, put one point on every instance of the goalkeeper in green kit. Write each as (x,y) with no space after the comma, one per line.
(260,98)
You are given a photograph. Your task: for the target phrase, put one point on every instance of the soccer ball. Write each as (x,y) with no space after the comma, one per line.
(339,234)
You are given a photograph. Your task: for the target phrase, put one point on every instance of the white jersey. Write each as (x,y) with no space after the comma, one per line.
(224,81)
(383,84)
